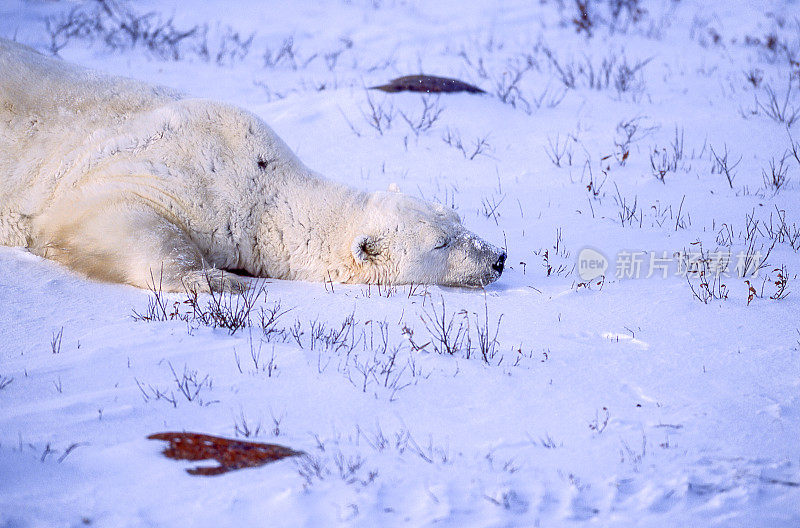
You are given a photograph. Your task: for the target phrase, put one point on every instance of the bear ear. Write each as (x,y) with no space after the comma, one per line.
(393,187)
(364,248)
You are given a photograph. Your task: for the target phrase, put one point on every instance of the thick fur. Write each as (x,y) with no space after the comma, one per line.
(132,183)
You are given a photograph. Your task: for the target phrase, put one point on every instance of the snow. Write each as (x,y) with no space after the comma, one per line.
(624,403)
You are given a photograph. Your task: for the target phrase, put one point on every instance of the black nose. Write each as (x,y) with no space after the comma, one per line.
(500,264)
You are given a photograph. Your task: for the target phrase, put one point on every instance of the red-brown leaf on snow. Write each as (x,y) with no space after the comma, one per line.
(230,454)
(427,84)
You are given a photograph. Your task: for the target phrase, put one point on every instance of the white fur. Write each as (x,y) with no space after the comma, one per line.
(127,182)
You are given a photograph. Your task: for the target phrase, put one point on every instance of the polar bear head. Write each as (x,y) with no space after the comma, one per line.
(403,240)
(311,228)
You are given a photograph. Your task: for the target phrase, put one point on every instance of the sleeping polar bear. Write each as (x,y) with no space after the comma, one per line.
(126,182)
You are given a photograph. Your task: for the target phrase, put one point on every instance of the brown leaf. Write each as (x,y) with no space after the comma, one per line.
(231,454)
(427,84)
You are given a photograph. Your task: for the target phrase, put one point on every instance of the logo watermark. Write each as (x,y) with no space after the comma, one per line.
(646,264)
(591,264)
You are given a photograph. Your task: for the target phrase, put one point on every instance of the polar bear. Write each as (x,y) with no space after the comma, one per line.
(131,183)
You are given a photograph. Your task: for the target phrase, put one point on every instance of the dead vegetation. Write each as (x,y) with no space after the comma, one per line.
(586,16)
(610,72)
(705,273)
(217,310)
(373,355)
(479,146)
(230,455)
(117,27)
(458,334)
(5,381)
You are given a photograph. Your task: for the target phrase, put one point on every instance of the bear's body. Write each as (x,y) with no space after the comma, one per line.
(132,183)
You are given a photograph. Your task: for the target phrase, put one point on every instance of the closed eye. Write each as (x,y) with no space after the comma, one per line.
(443,243)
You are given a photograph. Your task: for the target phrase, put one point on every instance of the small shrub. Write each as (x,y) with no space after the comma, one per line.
(480,144)
(611,72)
(431,111)
(723,166)
(779,110)
(452,334)
(776,177)
(220,309)
(664,160)
(704,275)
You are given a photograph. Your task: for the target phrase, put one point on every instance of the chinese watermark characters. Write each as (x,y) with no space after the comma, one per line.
(647,264)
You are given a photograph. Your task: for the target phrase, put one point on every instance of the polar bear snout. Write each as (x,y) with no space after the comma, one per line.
(495,263)
(474,263)
(500,263)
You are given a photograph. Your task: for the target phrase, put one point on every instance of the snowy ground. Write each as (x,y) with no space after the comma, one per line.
(620,401)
